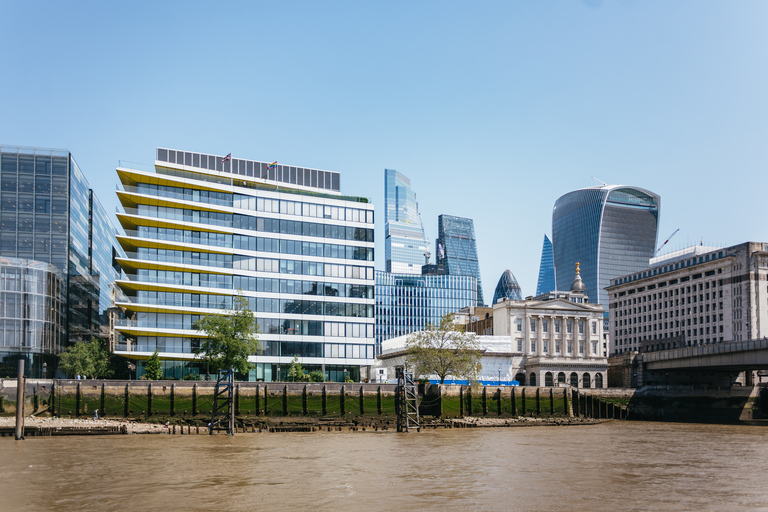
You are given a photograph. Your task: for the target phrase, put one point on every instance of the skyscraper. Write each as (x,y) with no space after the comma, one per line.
(611,230)
(546,281)
(200,228)
(457,249)
(58,248)
(507,288)
(406,247)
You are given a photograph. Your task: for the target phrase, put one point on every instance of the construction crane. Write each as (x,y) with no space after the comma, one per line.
(427,254)
(666,241)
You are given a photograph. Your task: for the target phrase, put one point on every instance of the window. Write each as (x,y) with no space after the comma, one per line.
(581,326)
(545,325)
(557,326)
(533,325)
(533,346)
(594,327)
(569,325)
(519,345)
(581,347)
(519,323)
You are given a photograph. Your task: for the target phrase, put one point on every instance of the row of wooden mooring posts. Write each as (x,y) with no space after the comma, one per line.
(261,400)
(579,404)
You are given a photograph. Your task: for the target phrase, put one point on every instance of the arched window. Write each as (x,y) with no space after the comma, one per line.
(586,380)
(598,380)
(520,377)
(561,378)
(574,379)
(548,379)
(533,379)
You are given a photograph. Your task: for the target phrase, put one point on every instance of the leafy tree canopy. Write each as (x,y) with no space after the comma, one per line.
(444,350)
(232,337)
(89,359)
(297,373)
(153,369)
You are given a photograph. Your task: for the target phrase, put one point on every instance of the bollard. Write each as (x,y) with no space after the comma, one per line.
(78,400)
(257,398)
(51,400)
(194,399)
(362,401)
(378,401)
(324,402)
(304,404)
(485,401)
(285,400)
(237,400)
(538,401)
(566,409)
(498,402)
(266,400)
(20,399)
(514,402)
(103,401)
(469,400)
(575,403)
(35,402)
(341,400)
(461,401)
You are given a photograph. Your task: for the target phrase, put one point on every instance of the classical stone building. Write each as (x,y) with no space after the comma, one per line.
(696,296)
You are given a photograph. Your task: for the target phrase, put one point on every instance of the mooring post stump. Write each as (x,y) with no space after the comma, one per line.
(484,400)
(126,402)
(469,400)
(538,401)
(514,401)
(304,404)
(285,400)
(498,401)
(20,399)
(342,400)
(173,399)
(257,397)
(575,403)
(567,409)
(103,401)
(461,401)
(523,407)
(266,400)
(237,399)
(78,400)
(324,401)
(551,401)
(149,400)
(362,401)
(378,400)
(194,399)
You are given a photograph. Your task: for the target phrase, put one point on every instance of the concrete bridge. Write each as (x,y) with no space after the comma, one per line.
(735,355)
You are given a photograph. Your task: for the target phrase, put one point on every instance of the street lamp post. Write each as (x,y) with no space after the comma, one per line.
(45,370)
(278,374)
(499,376)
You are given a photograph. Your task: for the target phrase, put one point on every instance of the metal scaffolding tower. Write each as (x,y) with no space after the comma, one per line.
(407,403)
(223,412)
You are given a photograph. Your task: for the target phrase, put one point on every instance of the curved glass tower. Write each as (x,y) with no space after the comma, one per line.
(406,247)
(546,282)
(611,230)
(508,288)
(457,249)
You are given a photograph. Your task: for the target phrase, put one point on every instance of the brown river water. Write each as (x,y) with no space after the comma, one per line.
(611,466)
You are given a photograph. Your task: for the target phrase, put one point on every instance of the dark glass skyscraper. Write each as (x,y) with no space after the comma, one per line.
(49,215)
(546,281)
(611,230)
(457,249)
(405,245)
(507,288)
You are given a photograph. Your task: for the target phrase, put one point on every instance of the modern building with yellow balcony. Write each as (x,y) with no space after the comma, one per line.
(200,228)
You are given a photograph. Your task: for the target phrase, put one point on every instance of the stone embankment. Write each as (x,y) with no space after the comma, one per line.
(74,426)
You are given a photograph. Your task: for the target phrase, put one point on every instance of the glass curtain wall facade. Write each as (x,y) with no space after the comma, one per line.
(49,214)
(610,230)
(546,281)
(408,303)
(457,249)
(507,288)
(201,228)
(406,245)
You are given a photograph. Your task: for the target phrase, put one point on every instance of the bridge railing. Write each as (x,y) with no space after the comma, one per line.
(705,350)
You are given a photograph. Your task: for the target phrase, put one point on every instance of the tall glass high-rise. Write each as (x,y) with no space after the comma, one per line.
(457,249)
(405,245)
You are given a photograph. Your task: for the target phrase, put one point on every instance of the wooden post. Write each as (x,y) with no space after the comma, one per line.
(103,402)
(498,402)
(551,401)
(514,402)
(266,400)
(485,401)
(304,404)
(538,401)
(285,400)
(173,399)
(126,402)
(51,400)
(20,399)
(566,409)
(35,400)
(237,400)
(469,400)
(523,405)
(149,400)
(341,400)
(324,401)
(575,403)
(378,401)
(78,400)
(362,401)
(257,399)
(194,399)
(461,401)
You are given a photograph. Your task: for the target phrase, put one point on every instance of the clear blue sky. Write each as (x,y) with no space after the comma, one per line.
(493,109)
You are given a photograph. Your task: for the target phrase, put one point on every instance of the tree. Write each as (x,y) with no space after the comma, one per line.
(232,337)
(444,350)
(91,359)
(153,369)
(296,372)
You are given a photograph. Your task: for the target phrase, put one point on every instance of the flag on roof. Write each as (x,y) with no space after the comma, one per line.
(228,157)
(272,165)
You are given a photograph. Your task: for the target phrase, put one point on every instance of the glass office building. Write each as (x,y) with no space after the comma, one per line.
(546,281)
(408,303)
(507,288)
(200,228)
(457,249)
(49,215)
(406,246)
(610,230)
